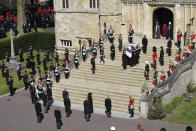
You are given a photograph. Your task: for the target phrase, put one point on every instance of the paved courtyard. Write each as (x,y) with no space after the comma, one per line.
(18,114)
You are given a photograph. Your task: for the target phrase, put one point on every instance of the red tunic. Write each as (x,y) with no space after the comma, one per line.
(193,38)
(154,56)
(177,59)
(163,77)
(179,36)
(153,82)
(164,32)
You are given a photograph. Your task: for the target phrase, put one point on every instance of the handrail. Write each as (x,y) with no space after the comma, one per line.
(160,1)
(163,88)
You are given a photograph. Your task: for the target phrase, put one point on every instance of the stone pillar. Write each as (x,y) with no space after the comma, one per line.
(143,109)
(138,17)
(184,17)
(145,20)
(176,20)
(194,73)
(12,45)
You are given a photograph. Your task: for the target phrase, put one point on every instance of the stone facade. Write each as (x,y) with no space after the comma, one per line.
(81,21)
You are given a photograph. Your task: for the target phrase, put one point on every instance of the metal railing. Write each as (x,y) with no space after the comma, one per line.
(160,1)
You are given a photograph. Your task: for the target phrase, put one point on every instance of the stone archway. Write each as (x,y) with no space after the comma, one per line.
(163,16)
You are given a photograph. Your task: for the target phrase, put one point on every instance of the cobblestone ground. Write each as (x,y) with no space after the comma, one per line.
(18,114)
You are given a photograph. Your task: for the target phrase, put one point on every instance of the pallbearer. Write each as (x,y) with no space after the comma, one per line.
(57,114)
(108,106)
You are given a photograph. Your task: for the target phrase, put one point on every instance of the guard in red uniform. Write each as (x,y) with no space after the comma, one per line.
(179,38)
(177,60)
(184,55)
(131,107)
(154,59)
(163,77)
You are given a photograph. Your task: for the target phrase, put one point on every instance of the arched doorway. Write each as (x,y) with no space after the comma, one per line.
(164,18)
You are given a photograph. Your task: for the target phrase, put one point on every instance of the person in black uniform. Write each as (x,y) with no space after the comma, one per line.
(161,58)
(38,58)
(124,60)
(49,96)
(48,55)
(108,106)
(2,68)
(57,74)
(147,69)
(45,63)
(67,104)
(84,51)
(145,44)
(86,110)
(25,80)
(112,49)
(111,35)
(21,55)
(33,93)
(90,100)
(19,72)
(93,64)
(6,74)
(67,54)
(56,58)
(76,59)
(130,34)
(169,46)
(33,66)
(102,56)
(57,114)
(10,84)
(45,102)
(94,49)
(134,55)
(39,113)
(67,71)
(28,59)
(31,52)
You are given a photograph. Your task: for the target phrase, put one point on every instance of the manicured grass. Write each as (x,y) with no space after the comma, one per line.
(185,114)
(175,102)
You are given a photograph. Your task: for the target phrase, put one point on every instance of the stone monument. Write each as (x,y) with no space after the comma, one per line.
(12,64)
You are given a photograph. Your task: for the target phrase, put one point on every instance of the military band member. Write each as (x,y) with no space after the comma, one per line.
(124,60)
(86,110)
(40,91)
(108,106)
(163,76)
(93,64)
(38,58)
(112,49)
(130,34)
(76,59)
(48,82)
(154,56)
(39,113)
(145,44)
(161,58)
(33,93)
(111,35)
(179,38)
(67,104)
(57,74)
(131,108)
(57,114)
(45,102)
(67,71)
(84,51)
(56,58)
(10,84)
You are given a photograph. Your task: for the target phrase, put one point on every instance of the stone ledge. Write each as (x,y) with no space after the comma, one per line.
(77,11)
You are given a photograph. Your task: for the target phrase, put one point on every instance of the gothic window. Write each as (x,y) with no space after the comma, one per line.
(67,3)
(97,3)
(94,5)
(91,3)
(63,3)
(66,42)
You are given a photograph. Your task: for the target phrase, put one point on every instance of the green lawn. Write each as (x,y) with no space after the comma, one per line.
(19,84)
(185,114)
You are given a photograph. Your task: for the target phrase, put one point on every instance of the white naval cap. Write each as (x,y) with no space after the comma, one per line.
(112,128)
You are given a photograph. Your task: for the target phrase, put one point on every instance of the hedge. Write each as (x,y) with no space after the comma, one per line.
(39,40)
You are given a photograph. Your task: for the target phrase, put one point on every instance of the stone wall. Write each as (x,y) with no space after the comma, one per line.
(110,7)
(72,25)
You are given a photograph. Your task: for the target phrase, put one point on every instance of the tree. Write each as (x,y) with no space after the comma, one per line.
(20,14)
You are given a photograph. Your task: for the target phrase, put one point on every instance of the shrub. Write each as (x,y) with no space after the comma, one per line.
(157,111)
(190,87)
(39,40)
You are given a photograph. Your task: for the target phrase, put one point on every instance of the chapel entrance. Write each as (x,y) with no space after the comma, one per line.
(162,23)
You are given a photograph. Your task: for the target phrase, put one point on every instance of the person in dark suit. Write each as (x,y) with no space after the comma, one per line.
(38,110)
(86,110)
(33,93)
(90,100)
(33,66)
(112,49)
(10,84)
(93,64)
(124,60)
(45,102)
(161,58)
(38,58)
(21,55)
(108,106)
(67,54)
(19,72)
(49,96)
(169,46)
(57,114)
(145,44)
(67,104)
(25,80)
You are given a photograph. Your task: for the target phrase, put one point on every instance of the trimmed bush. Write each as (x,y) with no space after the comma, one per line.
(39,40)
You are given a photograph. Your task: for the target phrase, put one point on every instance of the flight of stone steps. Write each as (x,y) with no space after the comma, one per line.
(109,80)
